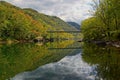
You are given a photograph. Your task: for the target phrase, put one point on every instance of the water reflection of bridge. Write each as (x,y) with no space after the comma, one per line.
(67,48)
(75,33)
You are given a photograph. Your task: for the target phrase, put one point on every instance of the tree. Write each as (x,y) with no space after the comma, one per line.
(106,20)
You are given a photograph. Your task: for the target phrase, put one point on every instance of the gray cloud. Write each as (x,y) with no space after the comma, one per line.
(68,10)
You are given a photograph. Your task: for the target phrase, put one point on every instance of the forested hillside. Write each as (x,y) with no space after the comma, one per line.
(15,24)
(28,24)
(105,23)
(53,21)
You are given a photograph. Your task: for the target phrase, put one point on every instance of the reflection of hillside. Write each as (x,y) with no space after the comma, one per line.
(107,60)
(64,44)
(16,58)
(60,44)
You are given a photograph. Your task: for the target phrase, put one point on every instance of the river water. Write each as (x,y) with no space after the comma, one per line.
(66,60)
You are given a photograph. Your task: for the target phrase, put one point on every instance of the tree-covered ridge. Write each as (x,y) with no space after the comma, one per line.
(53,21)
(27,24)
(105,23)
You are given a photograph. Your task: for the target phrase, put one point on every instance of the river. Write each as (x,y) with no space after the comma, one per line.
(65,60)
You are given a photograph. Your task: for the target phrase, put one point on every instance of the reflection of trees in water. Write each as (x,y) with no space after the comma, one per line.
(106,58)
(16,58)
(60,44)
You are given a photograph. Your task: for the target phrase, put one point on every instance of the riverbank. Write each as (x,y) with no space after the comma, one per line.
(114,43)
(107,43)
(36,40)
(104,43)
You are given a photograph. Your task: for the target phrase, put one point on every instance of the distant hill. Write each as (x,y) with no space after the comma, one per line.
(74,24)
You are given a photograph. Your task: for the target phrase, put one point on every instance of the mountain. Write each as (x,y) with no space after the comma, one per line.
(53,21)
(28,24)
(74,24)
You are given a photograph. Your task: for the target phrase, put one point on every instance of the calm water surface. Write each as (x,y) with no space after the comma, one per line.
(59,61)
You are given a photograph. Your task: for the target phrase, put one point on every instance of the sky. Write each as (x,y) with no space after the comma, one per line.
(68,10)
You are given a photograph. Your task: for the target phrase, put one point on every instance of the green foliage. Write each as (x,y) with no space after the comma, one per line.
(105,23)
(15,24)
(92,29)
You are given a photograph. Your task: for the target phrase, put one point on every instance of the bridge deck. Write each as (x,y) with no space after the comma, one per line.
(63,31)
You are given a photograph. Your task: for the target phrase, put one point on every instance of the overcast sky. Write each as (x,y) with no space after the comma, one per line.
(68,10)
